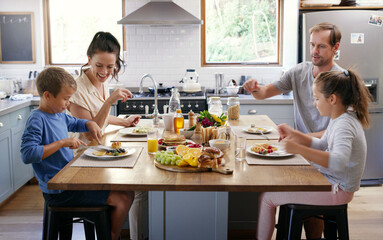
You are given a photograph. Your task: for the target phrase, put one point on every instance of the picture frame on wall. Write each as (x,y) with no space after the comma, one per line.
(17,38)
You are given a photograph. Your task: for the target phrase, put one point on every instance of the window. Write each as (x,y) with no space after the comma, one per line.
(240,32)
(71,24)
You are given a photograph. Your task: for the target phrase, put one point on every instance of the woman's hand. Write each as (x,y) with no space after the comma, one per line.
(120,93)
(94,131)
(133,120)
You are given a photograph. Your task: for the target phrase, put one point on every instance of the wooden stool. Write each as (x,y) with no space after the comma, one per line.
(291,217)
(59,221)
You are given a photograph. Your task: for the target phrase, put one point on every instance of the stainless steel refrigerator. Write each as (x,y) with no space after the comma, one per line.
(361,48)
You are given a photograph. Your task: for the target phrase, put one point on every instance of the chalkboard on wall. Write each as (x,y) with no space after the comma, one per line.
(17,37)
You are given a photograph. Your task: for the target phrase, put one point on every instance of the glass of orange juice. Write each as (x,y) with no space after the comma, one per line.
(152,141)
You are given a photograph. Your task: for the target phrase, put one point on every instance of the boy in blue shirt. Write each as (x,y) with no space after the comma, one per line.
(46,145)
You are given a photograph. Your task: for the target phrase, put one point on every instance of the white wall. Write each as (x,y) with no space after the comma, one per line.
(164,52)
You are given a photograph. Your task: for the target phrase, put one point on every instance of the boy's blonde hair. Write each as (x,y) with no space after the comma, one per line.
(52,79)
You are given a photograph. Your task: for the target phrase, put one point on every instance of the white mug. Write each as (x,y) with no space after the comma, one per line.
(168,121)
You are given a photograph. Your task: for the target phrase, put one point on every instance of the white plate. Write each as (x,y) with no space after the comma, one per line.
(267,130)
(163,147)
(278,153)
(89,153)
(129,131)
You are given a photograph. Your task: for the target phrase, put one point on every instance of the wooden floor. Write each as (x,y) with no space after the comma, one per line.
(21,216)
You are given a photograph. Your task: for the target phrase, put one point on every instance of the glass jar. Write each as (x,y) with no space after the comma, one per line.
(233,108)
(215,106)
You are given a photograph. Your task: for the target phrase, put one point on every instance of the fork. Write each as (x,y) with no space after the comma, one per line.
(267,138)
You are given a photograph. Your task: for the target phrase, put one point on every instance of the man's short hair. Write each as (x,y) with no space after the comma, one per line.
(52,79)
(335,35)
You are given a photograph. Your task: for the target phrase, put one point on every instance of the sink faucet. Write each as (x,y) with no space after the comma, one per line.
(156,120)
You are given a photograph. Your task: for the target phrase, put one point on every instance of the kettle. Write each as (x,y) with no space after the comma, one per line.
(190,81)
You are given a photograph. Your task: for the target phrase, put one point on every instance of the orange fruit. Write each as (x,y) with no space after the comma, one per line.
(194,163)
(181,150)
(183,163)
(196,152)
(188,158)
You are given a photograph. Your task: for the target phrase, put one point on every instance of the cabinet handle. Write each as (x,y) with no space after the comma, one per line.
(19,117)
(1,124)
(252,111)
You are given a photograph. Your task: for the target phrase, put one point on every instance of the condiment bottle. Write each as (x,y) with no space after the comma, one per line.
(197,136)
(191,119)
(178,121)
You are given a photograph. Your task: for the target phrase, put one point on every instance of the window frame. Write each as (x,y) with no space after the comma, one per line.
(240,64)
(47,36)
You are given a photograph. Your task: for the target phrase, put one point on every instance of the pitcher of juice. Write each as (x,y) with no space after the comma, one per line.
(152,141)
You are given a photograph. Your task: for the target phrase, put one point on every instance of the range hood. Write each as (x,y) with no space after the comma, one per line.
(160,13)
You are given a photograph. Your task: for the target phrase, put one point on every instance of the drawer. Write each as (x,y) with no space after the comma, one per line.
(19,117)
(5,123)
(273,111)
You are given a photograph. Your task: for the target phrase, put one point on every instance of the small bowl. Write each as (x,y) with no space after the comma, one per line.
(222,144)
(232,90)
(186,133)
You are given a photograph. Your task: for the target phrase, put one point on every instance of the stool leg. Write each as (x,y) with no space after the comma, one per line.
(282,223)
(102,223)
(89,230)
(52,233)
(295,225)
(330,228)
(66,228)
(45,222)
(342,224)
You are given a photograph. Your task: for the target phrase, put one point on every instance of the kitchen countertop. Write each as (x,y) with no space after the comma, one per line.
(8,106)
(250,100)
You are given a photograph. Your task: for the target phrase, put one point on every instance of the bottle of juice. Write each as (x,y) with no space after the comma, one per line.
(178,121)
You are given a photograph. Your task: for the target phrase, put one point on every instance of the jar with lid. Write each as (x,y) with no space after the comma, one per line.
(215,106)
(233,108)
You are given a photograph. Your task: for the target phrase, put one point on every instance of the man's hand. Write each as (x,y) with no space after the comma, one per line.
(72,143)
(133,120)
(251,85)
(94,130)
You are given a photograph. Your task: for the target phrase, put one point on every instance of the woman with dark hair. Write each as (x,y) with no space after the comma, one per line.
(92,101)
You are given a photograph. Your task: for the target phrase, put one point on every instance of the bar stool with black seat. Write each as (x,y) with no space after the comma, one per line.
(59,221)
(291,217)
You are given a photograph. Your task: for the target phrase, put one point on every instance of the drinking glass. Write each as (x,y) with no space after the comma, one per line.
(240,148)
(152,141)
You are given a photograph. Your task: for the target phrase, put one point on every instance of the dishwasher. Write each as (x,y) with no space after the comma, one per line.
(373,172)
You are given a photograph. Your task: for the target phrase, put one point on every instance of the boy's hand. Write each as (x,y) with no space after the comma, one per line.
(94,130)
(133,120)
(73,143)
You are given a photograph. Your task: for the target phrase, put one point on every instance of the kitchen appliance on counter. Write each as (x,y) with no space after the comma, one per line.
(190,82)
(9,86)
(141,103)
(360,48)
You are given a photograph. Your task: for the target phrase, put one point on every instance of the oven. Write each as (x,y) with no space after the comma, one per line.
(137,105)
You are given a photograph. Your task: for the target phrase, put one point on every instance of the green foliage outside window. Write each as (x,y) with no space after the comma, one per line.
(241,31)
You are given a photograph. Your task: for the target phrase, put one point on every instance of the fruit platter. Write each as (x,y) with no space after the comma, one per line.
(188,159)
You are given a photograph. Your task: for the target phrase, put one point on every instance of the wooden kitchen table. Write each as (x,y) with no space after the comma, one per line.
(171,191)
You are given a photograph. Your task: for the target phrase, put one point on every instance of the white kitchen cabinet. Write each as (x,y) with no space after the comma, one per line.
(279,113)
(22,172)
(6,188)
(192,215)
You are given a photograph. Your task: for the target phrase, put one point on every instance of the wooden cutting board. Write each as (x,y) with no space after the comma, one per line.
(172,168)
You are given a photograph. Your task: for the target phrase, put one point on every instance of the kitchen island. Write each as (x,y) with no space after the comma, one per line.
(191,205)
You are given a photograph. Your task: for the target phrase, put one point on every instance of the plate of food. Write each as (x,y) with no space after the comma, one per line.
(105,152)
(258,129)
(137,131)
(268,150)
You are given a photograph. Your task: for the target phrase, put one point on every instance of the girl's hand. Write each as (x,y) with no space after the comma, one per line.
(94,131)
(291,146)
(120,93)
(285,131)
(133,120)
(73,143)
